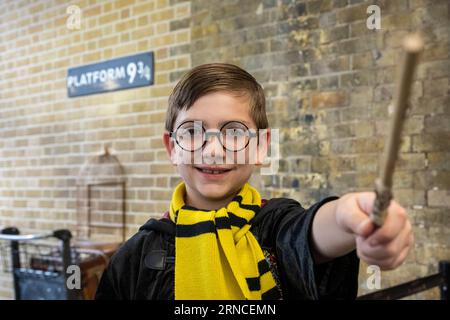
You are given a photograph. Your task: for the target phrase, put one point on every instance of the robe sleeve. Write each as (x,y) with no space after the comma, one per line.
(284,226)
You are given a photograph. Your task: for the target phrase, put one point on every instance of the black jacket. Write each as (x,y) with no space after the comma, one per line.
(143,268)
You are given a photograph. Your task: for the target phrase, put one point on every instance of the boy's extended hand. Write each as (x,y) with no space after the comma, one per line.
(387,246)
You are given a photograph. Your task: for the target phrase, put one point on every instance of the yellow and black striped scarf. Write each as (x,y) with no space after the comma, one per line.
(216,255)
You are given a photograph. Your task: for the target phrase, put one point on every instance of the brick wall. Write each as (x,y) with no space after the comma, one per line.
(327,78)
(46,137)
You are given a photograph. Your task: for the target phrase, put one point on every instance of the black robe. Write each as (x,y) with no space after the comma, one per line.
(143,267)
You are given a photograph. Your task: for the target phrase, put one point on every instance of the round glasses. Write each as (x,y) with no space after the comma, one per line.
(233,135)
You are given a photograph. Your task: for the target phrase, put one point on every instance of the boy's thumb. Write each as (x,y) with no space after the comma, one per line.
(365,227)
(359,223)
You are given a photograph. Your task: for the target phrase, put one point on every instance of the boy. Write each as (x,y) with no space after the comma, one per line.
(219,239)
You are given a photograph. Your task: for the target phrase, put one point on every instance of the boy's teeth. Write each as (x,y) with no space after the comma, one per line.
(212,171)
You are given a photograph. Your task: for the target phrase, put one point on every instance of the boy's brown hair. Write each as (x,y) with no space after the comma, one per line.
(213,77)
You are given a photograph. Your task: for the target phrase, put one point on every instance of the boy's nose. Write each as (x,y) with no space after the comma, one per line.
(213,148)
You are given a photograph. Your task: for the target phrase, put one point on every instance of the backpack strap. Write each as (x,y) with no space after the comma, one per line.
(162,225)
(158,259)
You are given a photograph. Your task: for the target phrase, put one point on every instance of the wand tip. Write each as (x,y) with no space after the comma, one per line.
(413,43)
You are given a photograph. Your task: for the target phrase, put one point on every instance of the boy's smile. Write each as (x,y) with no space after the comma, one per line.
(214,182)
(213,172)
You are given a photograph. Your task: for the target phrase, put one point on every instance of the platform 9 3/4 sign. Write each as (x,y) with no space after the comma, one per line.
(112,75)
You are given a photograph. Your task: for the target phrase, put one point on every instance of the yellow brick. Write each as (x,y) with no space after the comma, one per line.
(161,53)
(92,45)
(142,107)
(109,41)
(111,17)
(141,132)
(107,6)
(162,78)
(25,23)
(46,204)
(162,15)
(33,193)
(91,57)
(143,46)
(165,65)
(123,3)
(36,8)
(36,69)
(91,12)
(126,49)
(61,42)
(35,29)
(157,117)
(144,8)
(125,14)
(143,21)
(20,203)
(162,27)
(161,4)
(48,35)
(161,168)
(142,33)
(161,91)
(77,48)
(61,22)
(183,36)
(163,40)
(92,34)
(183,10)
(63,63)
(183,63)
(124,37)
(108,53)
(125,26)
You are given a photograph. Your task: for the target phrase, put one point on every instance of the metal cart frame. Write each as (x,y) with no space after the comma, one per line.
(440,279)
(21,275)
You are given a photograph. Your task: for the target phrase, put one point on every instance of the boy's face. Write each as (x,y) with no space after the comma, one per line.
(215,178)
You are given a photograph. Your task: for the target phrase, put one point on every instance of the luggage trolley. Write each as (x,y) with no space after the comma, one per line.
(44,266)
(39,263)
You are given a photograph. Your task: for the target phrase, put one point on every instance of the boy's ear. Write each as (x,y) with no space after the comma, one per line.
(170,146)
(263,145)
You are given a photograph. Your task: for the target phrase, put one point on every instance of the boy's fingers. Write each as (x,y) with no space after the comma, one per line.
(401,258)
(392,263)
(395,222)
(391,249)
(387,263)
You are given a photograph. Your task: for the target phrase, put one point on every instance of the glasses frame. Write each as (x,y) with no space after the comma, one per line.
(208,134)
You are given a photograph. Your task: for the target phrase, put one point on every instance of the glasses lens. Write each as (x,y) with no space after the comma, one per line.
(190,136)
(234,136)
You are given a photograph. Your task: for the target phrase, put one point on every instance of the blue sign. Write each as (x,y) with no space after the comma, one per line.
(117,74)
